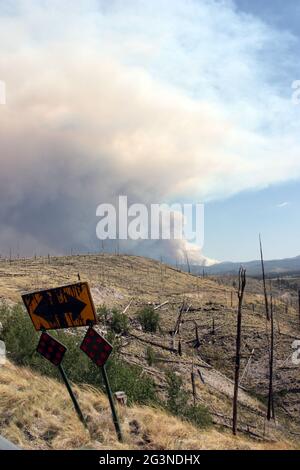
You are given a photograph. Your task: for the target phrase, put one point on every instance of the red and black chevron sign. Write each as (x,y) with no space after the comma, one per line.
(96,347)
(51,349)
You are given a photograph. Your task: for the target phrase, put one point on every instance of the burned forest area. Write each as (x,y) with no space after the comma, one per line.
(211,336)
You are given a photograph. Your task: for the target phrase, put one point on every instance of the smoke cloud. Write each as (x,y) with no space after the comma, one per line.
(145,99)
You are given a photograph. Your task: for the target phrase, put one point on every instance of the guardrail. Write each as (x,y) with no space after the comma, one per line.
(7,445)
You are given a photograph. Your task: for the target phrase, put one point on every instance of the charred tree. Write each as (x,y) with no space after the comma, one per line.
(271,412)
(264,279)
(194,391)
(179,348)
(197,340)
(213,332)
(242,285)
(299,305)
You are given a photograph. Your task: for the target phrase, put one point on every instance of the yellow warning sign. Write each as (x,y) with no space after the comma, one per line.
(67,306)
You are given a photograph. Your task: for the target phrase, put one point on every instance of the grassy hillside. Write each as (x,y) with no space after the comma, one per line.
(133,283)
(36,413)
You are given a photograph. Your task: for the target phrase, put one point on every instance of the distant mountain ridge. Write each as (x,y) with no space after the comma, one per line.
(272,267)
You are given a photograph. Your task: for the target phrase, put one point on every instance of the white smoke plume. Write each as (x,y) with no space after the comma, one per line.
(149,99)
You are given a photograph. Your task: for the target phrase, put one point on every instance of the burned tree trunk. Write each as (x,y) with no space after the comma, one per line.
(201,376)
(194,391)
(299,305)
(197,340)
(179,348)
(264,279)
(183,308)
(270,412)
(242,285)
(276,315)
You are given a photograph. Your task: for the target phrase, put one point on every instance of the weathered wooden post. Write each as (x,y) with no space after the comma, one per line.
(242,285)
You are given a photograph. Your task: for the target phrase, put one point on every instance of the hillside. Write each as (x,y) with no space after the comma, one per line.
(34,419)
(273,268)
(208,305)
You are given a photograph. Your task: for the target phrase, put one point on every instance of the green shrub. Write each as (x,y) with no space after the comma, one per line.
(119,322)
(149,319)
(139,387)
(176,395)
(102,313)
(198,415)
(18,333)
(151,356)
(177,403)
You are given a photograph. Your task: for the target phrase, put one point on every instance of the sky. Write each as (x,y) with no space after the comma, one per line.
(163,101)
(273,209)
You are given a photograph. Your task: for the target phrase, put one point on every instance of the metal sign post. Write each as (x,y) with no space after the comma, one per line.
(98,350)
(71,393)
(54,351)
(112,404)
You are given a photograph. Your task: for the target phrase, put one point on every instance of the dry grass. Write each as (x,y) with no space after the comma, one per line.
(36,413)
(115,280)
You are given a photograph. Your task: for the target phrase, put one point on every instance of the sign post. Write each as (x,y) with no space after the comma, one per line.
(112,404)
(73,398)
(70,306)
(54,351)
(98,350)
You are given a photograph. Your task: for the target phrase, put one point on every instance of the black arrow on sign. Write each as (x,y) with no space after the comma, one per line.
(50,309)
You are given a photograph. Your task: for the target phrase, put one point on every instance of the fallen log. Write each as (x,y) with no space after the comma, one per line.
(170,361)
(161,305)
(126,308)
(153,343)
(241,428)
(201,376)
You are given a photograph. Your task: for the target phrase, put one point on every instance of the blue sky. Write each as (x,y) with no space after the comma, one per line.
(232,226)
(161,100)
(281,15)
(274,210)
